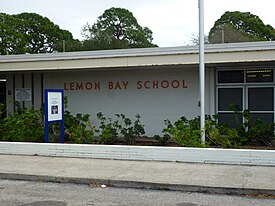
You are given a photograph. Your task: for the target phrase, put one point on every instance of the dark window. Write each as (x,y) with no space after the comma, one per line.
(262,75)
(260,99)
(265,117)
(231,119)
(231,76)
(227,96)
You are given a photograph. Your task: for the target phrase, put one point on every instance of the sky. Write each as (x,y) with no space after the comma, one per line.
(173,22)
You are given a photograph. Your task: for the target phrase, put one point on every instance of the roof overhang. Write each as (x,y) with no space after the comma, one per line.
(215,55)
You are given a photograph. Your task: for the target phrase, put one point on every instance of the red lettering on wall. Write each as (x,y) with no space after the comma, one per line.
(146,84)
(79,86)
(117,86)
(164,84)
(89,85)
(175,84)
(110,85)
(155,84)
(97,85)
(125,84)
(184,84)
(71,86)
(139,84)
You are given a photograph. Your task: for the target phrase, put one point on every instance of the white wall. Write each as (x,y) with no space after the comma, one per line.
(14,81)
(153,105)
(175,154)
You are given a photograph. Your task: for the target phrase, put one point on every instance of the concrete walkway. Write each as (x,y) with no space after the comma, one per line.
(230,179)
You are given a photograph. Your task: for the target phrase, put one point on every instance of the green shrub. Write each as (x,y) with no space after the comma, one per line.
(253,133)
(163,140)
(131,131)
(2,112)
(122,127)
(220,135)
(187,133)
(108,130)
(184,132)
(261,133)
(79,129)
(26,125)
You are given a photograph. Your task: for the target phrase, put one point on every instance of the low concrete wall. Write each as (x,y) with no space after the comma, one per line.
(180,154)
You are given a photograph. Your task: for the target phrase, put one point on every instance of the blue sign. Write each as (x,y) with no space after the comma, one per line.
(54,110)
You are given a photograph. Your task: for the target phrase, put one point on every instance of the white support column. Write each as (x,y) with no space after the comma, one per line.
(28,84)
(10,93)
(37,90)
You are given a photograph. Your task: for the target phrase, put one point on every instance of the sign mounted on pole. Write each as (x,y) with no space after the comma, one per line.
(54,110)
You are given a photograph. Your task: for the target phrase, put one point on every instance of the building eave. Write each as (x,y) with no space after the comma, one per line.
(138,58)
(156,51)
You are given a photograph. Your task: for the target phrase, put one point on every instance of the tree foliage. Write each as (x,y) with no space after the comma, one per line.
(43,35)
(31,33)
(12,40)
(240,27)
(228,34)
(116,28)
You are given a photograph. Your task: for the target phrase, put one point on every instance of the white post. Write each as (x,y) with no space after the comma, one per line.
(202,68)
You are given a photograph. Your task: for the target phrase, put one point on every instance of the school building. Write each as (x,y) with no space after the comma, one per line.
(156,83)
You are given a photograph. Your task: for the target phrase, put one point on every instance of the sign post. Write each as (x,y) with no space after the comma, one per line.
(54,110)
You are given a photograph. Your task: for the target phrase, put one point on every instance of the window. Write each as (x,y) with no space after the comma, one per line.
(247,89)
(231,76)
(266,117)
(227,96)
(261,103)
(233,120)
(251,76)
(260,99)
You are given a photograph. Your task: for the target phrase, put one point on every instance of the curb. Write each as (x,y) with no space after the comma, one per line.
(136,184)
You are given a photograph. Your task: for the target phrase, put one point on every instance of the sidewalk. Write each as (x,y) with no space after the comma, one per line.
(187,177)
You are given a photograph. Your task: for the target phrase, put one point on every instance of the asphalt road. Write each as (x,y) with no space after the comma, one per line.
(23,193)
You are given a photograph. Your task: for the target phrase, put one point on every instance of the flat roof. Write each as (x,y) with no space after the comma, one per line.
(183,55)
